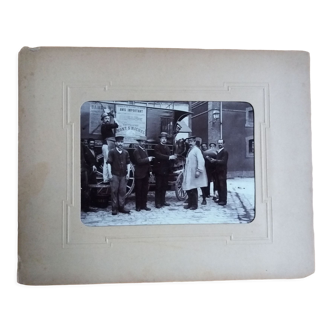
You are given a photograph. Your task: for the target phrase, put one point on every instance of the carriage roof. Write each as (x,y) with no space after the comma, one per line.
(156,116)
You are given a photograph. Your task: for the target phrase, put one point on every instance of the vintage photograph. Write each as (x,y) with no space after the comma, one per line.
(167,162)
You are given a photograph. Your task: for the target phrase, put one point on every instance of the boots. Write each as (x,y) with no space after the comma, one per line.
(189,200)
(194,197)
(204,196)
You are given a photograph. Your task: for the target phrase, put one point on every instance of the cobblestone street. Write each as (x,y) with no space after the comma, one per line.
(239,209)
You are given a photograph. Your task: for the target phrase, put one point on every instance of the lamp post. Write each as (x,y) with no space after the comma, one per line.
(215,115)
(214,110)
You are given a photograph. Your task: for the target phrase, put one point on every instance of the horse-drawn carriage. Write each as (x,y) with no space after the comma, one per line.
(139,119)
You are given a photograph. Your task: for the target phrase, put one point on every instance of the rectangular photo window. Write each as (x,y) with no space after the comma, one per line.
(167,162)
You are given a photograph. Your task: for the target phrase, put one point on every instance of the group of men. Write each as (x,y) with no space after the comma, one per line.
(200,170)
(202,167)
(117,164)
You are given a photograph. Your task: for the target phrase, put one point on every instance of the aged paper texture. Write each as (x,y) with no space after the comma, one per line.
(55,247)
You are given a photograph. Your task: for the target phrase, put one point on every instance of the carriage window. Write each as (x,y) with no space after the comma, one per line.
(166,125)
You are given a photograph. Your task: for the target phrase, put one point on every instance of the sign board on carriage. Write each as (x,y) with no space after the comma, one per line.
(131,120)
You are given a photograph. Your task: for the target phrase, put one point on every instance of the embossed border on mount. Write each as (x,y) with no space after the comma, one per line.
(103,90)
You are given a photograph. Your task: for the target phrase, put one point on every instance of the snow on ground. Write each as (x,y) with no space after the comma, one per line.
(240,208)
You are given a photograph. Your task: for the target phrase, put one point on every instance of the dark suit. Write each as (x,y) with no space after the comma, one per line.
(108,130)
(85,191)
(221,175)
(142,173)
(209,171)
(161,170)
(90,159)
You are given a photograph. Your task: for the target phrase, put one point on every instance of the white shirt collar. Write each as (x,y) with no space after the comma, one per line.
(120,151)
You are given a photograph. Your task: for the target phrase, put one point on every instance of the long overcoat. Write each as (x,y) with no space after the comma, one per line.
(194,162)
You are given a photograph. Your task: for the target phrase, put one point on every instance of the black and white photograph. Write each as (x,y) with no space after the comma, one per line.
(191,163)
(167,162)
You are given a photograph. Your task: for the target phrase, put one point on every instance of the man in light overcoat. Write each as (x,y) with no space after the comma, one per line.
(194,175)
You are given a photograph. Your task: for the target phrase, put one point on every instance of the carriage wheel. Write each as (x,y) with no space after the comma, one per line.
(181,194)
(100,167)
(131,180)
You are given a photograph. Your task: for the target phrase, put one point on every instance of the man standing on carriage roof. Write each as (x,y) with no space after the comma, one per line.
(142,174)
(119,164)
(161,169)
(108,127)
(194,175)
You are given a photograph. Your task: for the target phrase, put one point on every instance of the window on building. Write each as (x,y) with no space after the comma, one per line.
(249,117)
(250,146)
(166,126)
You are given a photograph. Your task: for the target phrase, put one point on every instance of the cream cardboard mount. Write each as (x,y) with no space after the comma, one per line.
(56,248)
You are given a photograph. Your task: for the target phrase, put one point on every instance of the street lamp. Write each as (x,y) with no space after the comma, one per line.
(215,115)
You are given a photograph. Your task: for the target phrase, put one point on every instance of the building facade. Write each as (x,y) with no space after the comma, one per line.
(234,123)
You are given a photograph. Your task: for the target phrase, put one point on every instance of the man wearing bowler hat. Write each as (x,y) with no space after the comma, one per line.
(194,175)
(142,174)
(161,169)
(118,160)
(220,162)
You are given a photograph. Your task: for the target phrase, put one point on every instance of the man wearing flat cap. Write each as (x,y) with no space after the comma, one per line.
(119,164)
(142,174)
(161,168)
(194,175)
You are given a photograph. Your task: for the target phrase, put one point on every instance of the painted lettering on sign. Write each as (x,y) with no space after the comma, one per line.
(131,120)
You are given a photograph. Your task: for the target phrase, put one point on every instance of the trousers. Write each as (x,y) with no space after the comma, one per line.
(119,188)
(105,149)
(161,187)
(141,192)
(222,188)
(85,191)
(192,198)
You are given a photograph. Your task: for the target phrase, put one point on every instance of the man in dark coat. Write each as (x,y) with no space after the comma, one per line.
(142,174)
(161,170)
(90,160)
(85,191)
(221,172)
(118,160)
